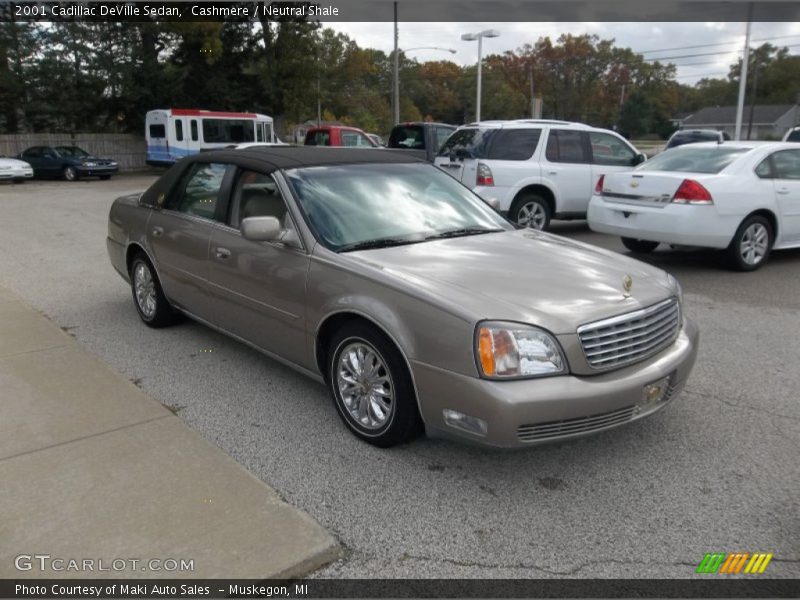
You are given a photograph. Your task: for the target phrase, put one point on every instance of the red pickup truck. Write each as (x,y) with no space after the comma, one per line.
(338,135)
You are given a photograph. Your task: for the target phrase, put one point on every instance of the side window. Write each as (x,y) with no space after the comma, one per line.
(200,194)
(515,144)
(354,138)
(610,150)
(786,164)
(158,131)
(193,126)
(442,133)
(764,169)
(259,132)
(179,130)
(256,195)
(34,152)
(565,145)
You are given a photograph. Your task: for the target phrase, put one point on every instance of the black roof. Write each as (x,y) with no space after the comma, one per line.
(290,157)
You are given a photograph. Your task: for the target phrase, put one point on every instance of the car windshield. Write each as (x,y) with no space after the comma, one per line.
(693,160)
(72,151)
(377,205)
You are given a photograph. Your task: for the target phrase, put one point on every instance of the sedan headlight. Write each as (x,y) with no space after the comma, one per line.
(89,163)
(512,350)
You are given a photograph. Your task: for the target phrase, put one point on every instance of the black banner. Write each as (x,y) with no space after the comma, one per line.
(701,587)
(408,10)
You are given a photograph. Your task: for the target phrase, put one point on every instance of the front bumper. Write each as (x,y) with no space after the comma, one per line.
(566,407)
(680,224)
(98,170)
(16,175)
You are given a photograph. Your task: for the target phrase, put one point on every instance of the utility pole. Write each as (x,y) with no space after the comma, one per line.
(396,82)
(753,93)
(533,98)
(743,76)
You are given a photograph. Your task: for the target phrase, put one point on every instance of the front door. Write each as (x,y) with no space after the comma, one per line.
(786,165)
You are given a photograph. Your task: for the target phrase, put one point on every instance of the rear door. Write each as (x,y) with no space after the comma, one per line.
(179,236)
(460,154)
(567,168)
(786,169)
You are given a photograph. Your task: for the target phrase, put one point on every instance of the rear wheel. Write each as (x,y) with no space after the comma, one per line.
(531,210)
(70,174)
(151,304)
(751,244)
(639,246)
(371,387)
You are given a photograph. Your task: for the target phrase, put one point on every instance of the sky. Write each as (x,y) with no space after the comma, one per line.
(670,39)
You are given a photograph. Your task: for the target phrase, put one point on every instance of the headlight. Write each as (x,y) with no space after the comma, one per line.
(513,350)
(89,164)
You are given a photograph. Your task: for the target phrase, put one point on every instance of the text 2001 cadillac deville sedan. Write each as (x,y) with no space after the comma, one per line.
(417,304)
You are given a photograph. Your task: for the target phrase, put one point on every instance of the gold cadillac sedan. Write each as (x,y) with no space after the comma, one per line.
(417,304)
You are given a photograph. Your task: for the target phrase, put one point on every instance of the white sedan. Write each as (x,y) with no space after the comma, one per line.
(739,196)
(16,170)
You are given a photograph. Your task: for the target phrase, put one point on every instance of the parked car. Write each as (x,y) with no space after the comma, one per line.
(694,136)
(793,135)
(535,170)
(376,139)
(69,162)
(338,135)
(423,138)
(739,196)
(14,170)
(415,302)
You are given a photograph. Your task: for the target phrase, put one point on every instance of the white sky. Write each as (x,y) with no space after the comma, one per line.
(640,37)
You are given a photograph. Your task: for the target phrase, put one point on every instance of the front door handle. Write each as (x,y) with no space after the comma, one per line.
(222,253)
(158,231)
(783,191)
(552,172)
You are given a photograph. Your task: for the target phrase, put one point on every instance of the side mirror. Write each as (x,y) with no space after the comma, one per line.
(261,229)
(638,159)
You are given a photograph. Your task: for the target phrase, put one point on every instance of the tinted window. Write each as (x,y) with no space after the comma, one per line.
(158,131)
(179,130)
(608,149)
(473,142)
(694,160)
(319,137)
(230,131)
(407,136)
(193,126)
(514,144)
(565,145)
(690,137)
(786,164)
(794,136)
(33,152)
(200,194)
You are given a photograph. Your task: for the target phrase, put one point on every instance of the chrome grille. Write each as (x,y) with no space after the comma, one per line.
(631,337)
(556,429)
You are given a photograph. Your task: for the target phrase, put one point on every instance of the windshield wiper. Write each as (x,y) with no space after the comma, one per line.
(378,243)
(461,232)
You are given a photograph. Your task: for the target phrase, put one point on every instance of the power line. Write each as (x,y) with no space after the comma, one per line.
(778,37)
(720,53)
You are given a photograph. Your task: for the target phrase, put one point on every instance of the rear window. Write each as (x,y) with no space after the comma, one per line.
(691,137)
(407,136)
(158,131)
(693,160)
(794,136)
(473,142)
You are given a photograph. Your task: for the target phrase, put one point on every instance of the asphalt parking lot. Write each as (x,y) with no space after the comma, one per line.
(716,471)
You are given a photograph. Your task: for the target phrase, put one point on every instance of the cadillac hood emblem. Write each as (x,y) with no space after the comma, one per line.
(627,285)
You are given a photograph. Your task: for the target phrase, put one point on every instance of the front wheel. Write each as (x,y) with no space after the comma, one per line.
(639,246)
(371,387)
(751,244)
(70,174)
(151,304)
(531,210)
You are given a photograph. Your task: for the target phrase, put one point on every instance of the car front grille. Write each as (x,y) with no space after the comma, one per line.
(631,337)
(557,429)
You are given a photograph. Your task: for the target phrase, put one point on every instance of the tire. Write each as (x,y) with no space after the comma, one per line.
(751,245)
(531,210)
(18,181)
(382,419)
(639,246)
(148,297)
(70,174)
(105,177)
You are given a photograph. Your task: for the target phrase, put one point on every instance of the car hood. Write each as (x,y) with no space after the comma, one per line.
(525,275)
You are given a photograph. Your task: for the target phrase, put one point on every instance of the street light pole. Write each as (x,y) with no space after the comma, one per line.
(469,37)
(396,95)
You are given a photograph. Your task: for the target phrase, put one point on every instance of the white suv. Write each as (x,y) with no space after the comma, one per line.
(535,170)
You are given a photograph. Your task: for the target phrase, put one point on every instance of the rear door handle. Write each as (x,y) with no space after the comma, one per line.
(222,253)
(783,191)
(552,172)
(158,231)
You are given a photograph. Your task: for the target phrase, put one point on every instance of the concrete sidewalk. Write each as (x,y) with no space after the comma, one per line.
(91,468)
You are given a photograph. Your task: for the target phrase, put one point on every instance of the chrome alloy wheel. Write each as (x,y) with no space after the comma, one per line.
(145,289)
(755,244)
(532,214)
(365,385)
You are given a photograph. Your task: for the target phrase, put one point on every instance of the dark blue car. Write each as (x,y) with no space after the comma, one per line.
(69,162)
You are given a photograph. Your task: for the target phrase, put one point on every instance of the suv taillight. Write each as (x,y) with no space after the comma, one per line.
(691,192)
(484,175)
(598,188)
